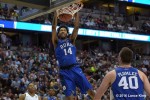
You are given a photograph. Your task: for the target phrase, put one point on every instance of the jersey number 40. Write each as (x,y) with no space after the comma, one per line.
(128,82)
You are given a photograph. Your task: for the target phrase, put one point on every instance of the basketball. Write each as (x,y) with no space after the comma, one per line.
(65,17)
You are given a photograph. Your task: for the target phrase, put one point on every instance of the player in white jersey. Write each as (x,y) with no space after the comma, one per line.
(127,83)
(30,94)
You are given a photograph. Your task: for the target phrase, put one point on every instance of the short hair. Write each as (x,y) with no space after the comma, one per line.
(126,55)
(62,26)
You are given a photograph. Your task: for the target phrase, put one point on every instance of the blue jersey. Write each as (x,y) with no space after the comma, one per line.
(65,53)
(73,77)
(128,85)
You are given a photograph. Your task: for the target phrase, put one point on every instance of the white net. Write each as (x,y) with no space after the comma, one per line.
(71,9)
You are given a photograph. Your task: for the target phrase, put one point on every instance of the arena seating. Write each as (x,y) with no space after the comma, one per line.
(89,18)
(21,65)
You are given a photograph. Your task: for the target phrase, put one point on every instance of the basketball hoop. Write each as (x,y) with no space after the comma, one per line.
(65,14)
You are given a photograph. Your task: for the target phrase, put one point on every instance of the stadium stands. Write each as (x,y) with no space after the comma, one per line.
(91,18)
(20,65)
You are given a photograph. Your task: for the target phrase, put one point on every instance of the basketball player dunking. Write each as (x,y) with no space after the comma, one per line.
(127,83)
(30,94)
(71,74)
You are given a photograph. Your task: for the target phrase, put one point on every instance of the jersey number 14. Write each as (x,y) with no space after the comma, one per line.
(129,82)
(68,51)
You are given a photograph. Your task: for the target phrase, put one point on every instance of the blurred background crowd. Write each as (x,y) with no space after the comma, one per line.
(92,17)
(22,63)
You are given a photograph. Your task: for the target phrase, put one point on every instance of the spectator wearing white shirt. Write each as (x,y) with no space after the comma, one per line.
(146,63)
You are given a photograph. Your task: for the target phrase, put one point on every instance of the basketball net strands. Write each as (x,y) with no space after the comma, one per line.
(69,10)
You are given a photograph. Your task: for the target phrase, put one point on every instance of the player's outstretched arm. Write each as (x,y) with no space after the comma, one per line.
(54,33)
(22,97)
(146,83)
(104,85)
(76,28)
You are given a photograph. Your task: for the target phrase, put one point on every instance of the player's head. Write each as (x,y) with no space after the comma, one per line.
(62,32)
(31,87)
(125,55)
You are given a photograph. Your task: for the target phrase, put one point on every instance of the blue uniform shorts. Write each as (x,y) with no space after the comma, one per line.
(72,78)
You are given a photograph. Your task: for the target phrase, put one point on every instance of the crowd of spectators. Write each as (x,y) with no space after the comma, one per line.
(12,12)
(102,20)
(8,13)
(93,18)
(19,66)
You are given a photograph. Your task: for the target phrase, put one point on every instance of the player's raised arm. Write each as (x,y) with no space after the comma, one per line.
(54,33)
(76,28)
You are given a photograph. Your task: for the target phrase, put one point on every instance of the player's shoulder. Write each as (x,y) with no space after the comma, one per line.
(113,72)
(110,76)
(142,75)
(110,73)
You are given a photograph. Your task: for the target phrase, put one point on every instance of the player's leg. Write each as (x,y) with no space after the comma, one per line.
(69,86)
(82,82)
(85,87)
